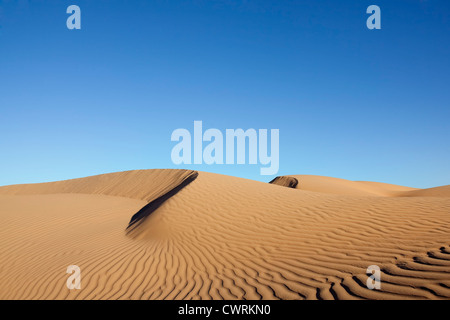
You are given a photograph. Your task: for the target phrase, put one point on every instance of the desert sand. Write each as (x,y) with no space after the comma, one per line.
(222,237)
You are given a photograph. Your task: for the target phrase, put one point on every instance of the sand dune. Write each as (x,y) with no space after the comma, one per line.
(443,191)
(223,237)
(136,184)
(347,187)
(357,188)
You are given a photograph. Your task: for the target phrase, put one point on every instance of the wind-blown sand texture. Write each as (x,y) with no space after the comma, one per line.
(222,237)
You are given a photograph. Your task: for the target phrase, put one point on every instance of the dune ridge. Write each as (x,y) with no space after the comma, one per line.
(138,217)
(220,237)
(135,184)
(443,191)
(359,188)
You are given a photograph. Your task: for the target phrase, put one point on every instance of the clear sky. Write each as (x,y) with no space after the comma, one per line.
(349,102)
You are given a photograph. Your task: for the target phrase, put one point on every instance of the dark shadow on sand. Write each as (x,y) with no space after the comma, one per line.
(140,216)
(285,181)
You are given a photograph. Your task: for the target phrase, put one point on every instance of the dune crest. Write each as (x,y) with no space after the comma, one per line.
(443,191)
(144,185)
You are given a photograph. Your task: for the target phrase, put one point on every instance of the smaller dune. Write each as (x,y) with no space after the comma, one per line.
(356,188)
(341,186)
(441,192)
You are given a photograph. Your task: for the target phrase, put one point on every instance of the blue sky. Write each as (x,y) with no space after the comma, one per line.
(349,102)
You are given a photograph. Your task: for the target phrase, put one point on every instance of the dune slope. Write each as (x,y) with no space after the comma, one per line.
(220,237)
(136,184)
(351,188)
(443,191)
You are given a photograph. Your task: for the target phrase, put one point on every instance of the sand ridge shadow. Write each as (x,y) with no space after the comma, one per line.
(149,208)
